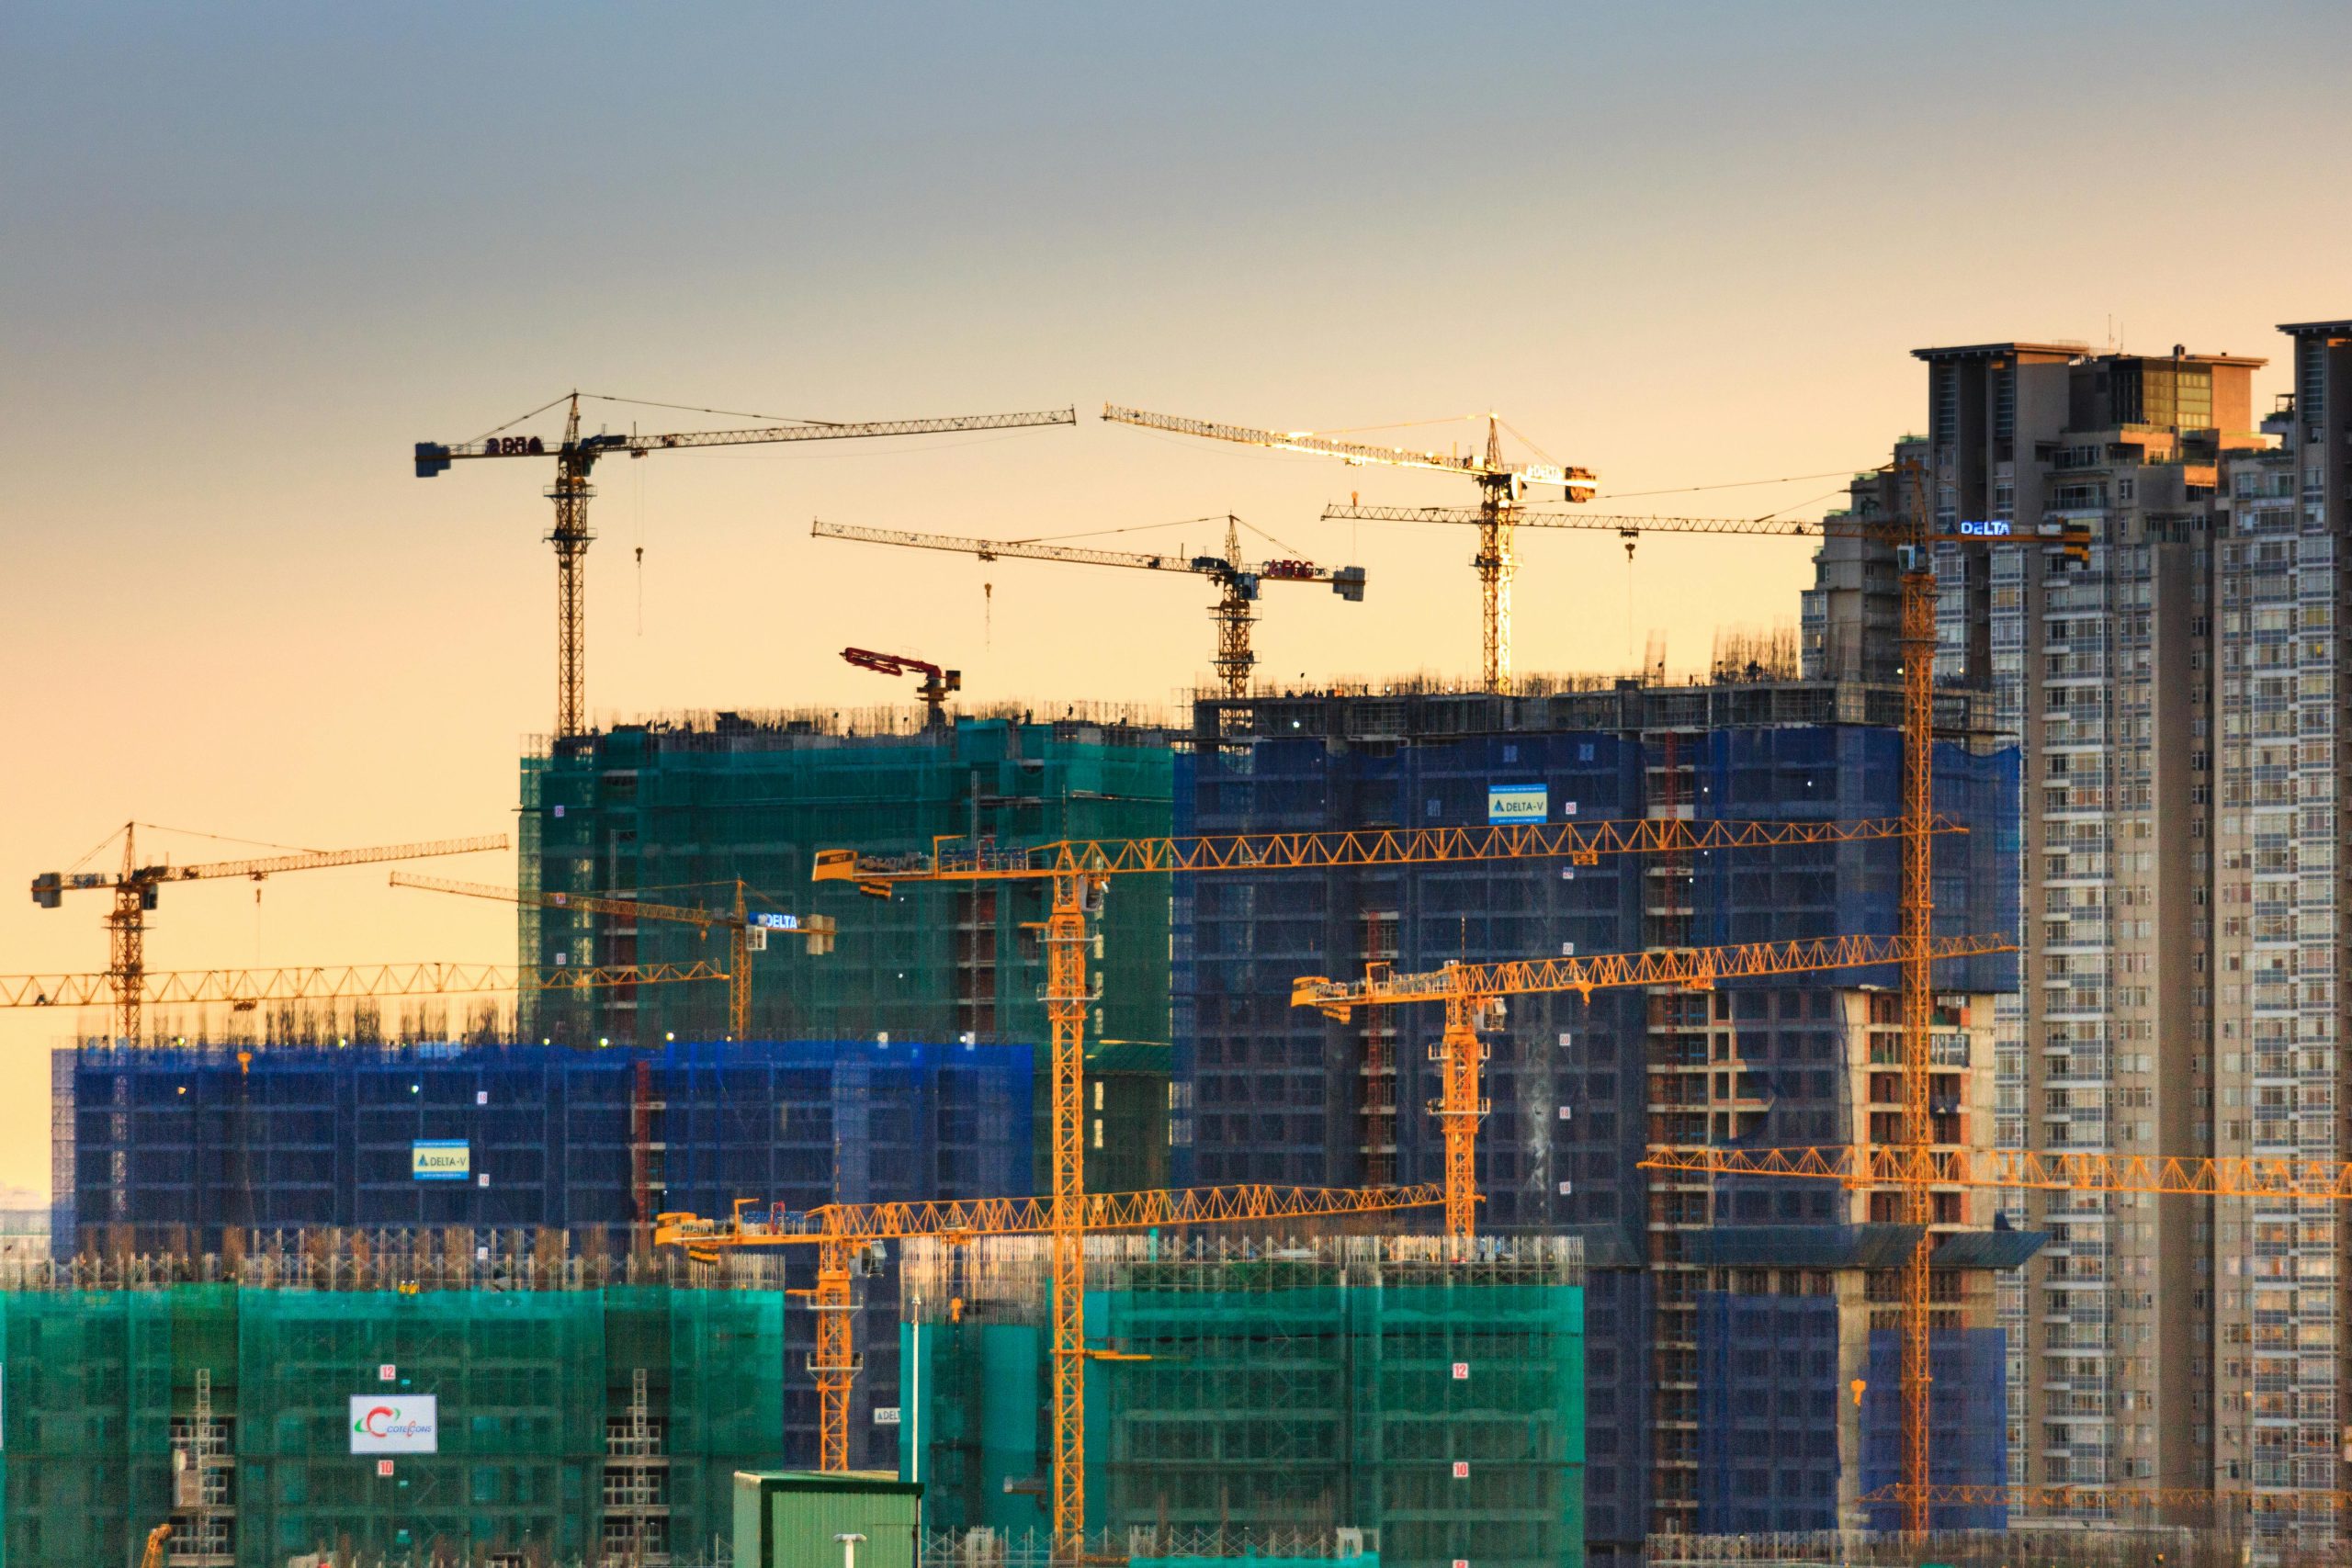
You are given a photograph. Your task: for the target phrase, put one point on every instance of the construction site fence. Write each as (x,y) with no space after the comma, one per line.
(1141,1547)
(719,1551)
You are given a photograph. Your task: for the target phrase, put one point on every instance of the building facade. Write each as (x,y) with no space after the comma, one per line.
(1577,1090)
(676,810)
(1376,1389)
(184,1152)
(484,1416)
(2178,699)
(2273,756)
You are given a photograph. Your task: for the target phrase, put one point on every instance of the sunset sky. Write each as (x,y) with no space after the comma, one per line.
(249,256)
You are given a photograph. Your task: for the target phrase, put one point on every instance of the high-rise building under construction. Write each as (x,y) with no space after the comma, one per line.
(676,810)
(1722,1317)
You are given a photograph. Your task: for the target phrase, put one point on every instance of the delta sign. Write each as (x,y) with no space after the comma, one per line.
(403,1424)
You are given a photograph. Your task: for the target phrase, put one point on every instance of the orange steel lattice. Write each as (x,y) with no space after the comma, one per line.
(333,982)
(1500,485)
(1470,991)
(1078,871)
(135,887)
(817,930)
(2289,1180)
(837,1230)
(1917,909)
(576,457)
(1582,843)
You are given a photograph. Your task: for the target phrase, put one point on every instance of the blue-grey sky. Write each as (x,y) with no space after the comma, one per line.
(249,254)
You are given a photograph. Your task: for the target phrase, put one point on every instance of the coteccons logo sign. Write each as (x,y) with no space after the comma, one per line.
(1518,803)
(406,1423)
(440,1159)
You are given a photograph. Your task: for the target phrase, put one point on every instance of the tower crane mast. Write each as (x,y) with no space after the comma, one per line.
(1239,581)
(135,887)
(1500,486)
(576,457)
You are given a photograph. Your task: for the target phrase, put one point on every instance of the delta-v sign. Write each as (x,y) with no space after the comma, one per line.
(395,1424)
(2066,536)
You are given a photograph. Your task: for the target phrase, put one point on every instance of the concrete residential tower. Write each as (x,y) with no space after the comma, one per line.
(2178,704)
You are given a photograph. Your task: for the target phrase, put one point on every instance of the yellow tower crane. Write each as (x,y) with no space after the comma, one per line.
(747,929)
(1239,581)
(1912,536)
(135,888)
(838,1230)
(1078,872)
(1500,486)
(1473,992)
(576,457)
(247,988)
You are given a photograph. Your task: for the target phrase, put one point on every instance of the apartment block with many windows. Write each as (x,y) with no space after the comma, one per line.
(2179,702)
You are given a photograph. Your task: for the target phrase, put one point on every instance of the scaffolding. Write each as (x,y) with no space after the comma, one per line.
(1578,1090)
(179,1147)
(1379,1384)
(670,806)
(596,1423)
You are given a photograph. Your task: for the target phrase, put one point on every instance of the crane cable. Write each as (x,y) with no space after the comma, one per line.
(692,408)
(518,419)
(1102,533)
(1177,523)
(1734,484)
(232,839)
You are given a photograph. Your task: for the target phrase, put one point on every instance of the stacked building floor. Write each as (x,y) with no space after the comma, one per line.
(1270,1092)
(575,1420)
(1715,1321)
(1381,1384)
